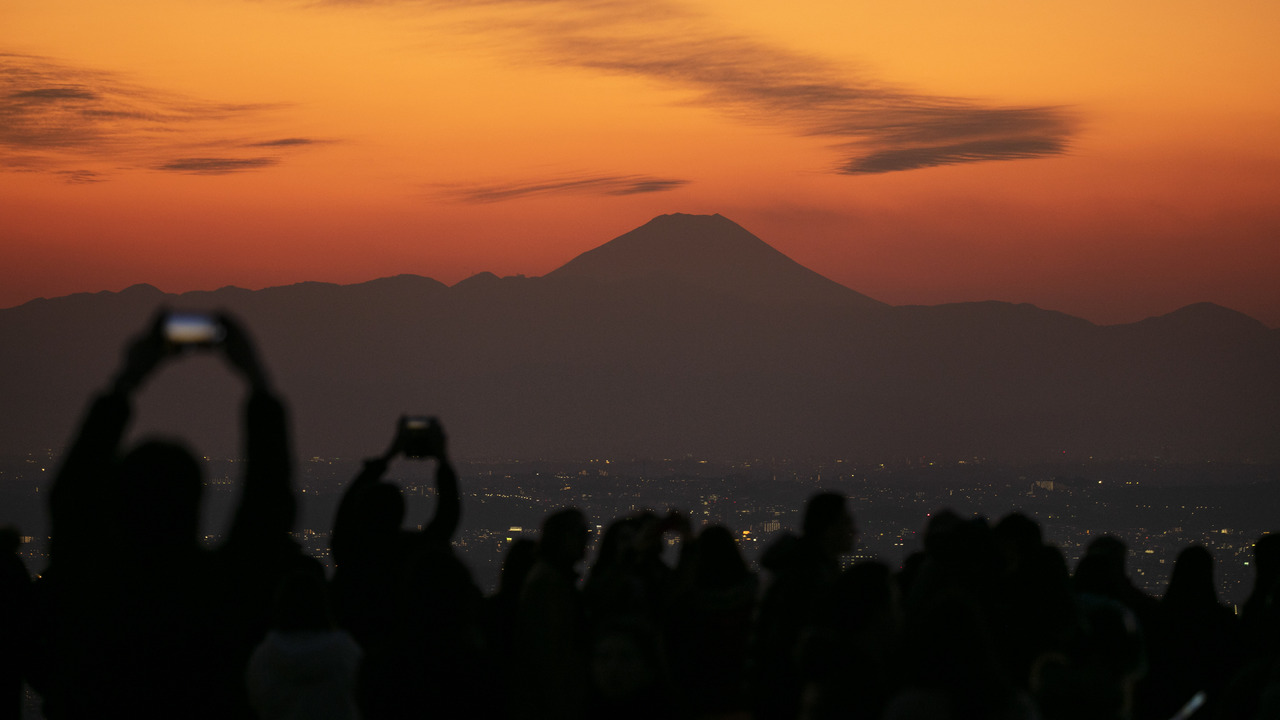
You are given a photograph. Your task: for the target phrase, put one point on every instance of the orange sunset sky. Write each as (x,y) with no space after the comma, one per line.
(1112,160)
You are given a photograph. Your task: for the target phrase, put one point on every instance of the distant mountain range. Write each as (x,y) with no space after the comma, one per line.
(688,335)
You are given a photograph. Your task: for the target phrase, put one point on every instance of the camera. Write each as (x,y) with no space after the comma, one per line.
(420,436)
(190,329)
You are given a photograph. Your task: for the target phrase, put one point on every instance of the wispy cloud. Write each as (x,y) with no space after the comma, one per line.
(59,118)
(933,155)
(579,185)
(878,127)
(285,142)
(217,166)
(875,125)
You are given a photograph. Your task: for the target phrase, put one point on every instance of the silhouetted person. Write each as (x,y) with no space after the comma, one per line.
(15,604)
(371,550)
(953,665)
(709,625)
(803,569)
(503,618)
(960,555)
(1254,692)
(952,669)
(504,604)
(404,594)
(629,579)
(611,585)
(553,640)
(1019,539)
(1033,610)
(136,619)
(1261,611)
(1196,646)
(305,668)
(1095,676)
(1102,572)
(852,654)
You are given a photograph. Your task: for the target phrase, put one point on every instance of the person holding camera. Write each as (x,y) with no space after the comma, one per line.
(404,594)
(135,618)
(370,549)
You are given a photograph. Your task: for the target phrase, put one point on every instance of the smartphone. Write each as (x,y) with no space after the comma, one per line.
(419,436)
(188,329)
(1191,707)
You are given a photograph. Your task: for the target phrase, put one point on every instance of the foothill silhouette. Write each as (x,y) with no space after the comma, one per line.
(135,618)
(691,334)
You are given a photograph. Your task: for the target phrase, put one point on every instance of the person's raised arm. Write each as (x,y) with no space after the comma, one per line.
(82,491)
(351,522)
(267,505)
(448,514)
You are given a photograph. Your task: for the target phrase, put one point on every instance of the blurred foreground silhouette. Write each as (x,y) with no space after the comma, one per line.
(133,618)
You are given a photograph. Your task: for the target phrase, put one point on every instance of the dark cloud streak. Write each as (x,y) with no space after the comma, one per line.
(58,118)
(217,166)
(590,185)
(286,142)
(896,160)
(65,93)
(881,128)
(877,126)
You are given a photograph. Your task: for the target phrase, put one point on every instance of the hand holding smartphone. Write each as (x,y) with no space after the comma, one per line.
(420,436)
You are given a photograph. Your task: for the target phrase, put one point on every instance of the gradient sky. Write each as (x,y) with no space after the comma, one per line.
(1109,160)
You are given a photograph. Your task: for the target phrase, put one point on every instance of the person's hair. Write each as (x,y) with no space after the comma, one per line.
(519,559)
(561,529)
(1191,582)
(718,562)
(1020,531)
(1266,553)
(823,511)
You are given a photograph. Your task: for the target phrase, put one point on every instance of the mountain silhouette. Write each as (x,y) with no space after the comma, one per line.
(686,335)
(709,252)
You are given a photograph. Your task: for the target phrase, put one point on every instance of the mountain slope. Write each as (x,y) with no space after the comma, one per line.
(709,252)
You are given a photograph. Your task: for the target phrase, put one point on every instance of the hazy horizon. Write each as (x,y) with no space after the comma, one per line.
(567,261)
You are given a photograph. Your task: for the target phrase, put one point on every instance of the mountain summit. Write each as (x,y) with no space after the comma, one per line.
(708,251)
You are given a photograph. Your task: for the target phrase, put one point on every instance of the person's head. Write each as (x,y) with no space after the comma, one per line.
(1101,570)
(564,537)
(1266,555)
(160,484)
(827,522)
(1019,539)
(519,559)
(649,530)
(617,546)
(1191,581)
(1110,547)
(717,561)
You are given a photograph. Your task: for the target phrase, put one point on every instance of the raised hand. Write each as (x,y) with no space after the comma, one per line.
(143,355)
(239,351)
(419,437)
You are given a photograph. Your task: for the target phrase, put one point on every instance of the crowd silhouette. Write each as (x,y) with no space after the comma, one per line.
(134,618)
